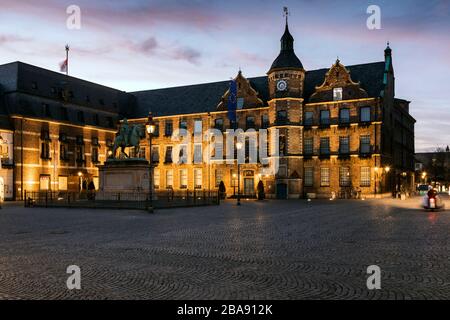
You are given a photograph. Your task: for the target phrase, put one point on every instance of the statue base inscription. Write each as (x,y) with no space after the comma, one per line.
(124,176)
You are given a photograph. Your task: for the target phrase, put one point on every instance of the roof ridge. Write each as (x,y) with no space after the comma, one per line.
(60,74)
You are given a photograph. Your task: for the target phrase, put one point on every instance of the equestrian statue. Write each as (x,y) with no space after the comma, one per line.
(128,137)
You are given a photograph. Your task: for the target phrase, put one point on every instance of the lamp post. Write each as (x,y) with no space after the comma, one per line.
(376,180)
(239,147)
(387,179)
(150,127)
(424,176)
(80,174)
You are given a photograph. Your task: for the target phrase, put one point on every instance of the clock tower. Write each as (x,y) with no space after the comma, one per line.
(286,79)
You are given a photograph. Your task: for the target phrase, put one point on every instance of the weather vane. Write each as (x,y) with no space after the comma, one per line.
(286,13)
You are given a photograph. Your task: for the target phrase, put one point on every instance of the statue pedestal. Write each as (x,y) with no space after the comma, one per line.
(124,176)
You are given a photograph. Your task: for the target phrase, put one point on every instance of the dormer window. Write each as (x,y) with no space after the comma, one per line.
(337,94)
(240,103)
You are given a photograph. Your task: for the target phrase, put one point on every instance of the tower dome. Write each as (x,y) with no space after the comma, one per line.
(287,58)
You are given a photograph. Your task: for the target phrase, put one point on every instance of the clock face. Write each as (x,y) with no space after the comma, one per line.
(281,85)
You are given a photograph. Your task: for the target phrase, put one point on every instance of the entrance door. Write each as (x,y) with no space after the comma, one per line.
(249,186)
(281,191)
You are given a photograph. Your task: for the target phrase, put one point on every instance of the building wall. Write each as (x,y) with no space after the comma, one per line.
(32,170)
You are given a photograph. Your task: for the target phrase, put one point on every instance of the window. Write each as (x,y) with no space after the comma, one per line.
(79,150)
(217,151)
(34,85)
(156,178)
(233,178)
(63,154)
(45,145)
(364,144)
(197,153)
(309,176)
(240,103)
(324,177)
(183,179)
(364,114)
(156,132)
(168,128)
(101,101)
(198,178)
(344,176)
(250,122)
(96,120)
(110,122)
(94,141)
(344,116)
(218,177)
(264,121)
(183,155)
(141,153)
(365,177)
(155,154)
(94,155)
(169,179)
(324,117)
(46,110)
(45,150)
(64,114)
(44,182)
(168,156)
(308,145)
(309,118)
(325,146)
(344,145)
(198,126)
(88,99)
(62,183)
(337,94)
(183,124)
(281,116)
(218,124)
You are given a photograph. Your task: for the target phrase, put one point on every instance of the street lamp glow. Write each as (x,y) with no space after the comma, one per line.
(150,128)
(239,145)
(387,169)
(376,169)
(80,173)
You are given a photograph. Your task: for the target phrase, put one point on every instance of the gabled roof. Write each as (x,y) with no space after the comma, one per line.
(205,97)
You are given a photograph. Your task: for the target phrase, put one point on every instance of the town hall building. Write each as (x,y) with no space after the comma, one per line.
(341,130)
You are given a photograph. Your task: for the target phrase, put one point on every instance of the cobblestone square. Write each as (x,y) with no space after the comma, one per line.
(261,250)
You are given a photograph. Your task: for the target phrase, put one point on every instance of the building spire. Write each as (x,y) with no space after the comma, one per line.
(286,14)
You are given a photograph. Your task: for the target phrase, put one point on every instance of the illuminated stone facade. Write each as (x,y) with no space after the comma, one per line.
(338,129)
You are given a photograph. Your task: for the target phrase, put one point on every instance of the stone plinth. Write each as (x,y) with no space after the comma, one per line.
(124,176)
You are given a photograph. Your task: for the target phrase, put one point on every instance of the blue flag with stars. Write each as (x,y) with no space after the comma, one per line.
(232,101)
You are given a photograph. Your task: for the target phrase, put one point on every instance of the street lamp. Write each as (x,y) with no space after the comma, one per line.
(150,127)
(80,174)
(239,146)
(424,176)
(376,180)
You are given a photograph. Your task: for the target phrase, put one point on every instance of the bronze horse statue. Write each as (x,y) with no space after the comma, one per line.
(128,137)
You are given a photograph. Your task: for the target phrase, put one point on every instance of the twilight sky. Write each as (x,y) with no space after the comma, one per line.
(137,45)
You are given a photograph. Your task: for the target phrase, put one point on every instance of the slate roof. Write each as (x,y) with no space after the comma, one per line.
(26,88)
(205,97)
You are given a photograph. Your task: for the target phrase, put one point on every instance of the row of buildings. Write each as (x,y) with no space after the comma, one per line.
(341,129)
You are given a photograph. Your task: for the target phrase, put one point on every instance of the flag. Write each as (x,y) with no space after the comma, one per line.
(63,65)
(232,101)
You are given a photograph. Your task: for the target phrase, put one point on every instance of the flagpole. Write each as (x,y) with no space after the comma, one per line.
(67,59)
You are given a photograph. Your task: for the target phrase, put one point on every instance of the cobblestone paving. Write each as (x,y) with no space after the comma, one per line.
(261,250)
